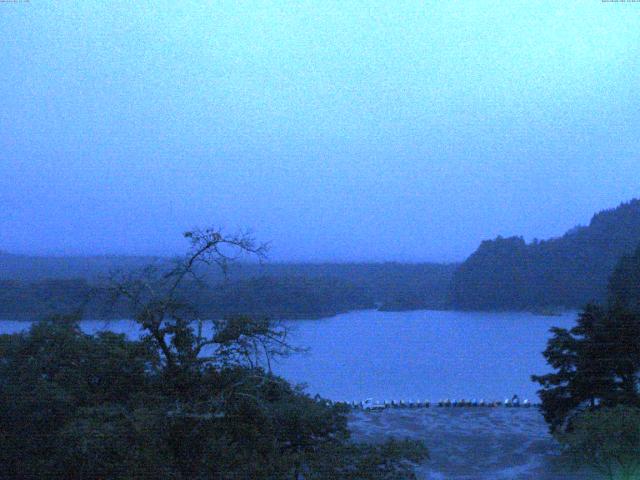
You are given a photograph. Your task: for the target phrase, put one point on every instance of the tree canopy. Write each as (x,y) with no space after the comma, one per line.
(597,362)
(569,271)
(191,399)
(607,440)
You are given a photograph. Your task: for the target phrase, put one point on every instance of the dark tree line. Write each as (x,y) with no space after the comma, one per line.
(570,271)
(287,292)
(276,297)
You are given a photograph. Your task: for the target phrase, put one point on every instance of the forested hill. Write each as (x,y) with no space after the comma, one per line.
(509,274)
(32,287)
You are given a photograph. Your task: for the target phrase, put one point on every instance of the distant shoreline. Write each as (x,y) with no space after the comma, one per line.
(327,315)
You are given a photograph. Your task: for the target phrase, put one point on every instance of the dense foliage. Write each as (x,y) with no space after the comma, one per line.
(285,297)
(394,286)
(276,290)
(75,406)
(624,284)
(276,297)
(502,274)
(591,400)
(191,400)
(596,363)
(32,300)
(607,440)
(570,271)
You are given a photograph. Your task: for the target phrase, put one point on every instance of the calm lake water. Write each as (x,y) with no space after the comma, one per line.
(419,355)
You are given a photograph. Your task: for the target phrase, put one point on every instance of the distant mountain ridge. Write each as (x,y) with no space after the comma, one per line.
(502,274)
(568,271)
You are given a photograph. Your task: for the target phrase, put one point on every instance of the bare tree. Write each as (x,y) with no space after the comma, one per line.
(161,301)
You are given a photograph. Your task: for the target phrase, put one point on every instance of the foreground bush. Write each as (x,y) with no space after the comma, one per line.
(608,440)
(75,406)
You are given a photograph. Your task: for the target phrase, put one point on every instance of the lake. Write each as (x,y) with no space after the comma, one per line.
(416,355)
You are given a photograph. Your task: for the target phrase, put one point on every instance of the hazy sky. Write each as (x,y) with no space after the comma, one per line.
(336,130)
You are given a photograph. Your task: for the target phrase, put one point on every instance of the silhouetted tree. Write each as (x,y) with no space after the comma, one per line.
(597,362)
(193,399)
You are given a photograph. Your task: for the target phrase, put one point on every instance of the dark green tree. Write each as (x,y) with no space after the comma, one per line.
(624,283)
(607,440)
(597,362)
(56,380)
(193,399)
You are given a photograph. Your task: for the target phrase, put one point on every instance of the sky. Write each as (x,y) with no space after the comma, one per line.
(337,131)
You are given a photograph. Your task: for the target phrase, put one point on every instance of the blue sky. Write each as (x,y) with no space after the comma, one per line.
(336,130)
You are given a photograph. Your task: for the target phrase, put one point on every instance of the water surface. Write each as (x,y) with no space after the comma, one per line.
(418,355)
(422,355)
